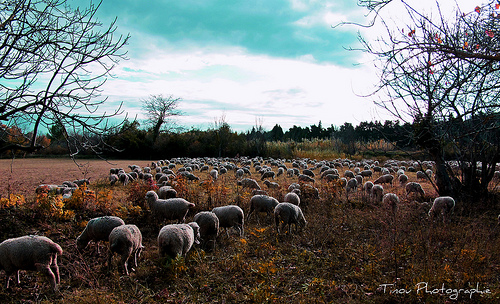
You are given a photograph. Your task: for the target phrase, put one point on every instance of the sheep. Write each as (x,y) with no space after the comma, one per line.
(257,191)
(306,178)
(271,185)
(421,175)
(377,193)
(189,176)
(349,173)
(366,173)
(98,229)
(214,174)
(177,239)
(414,187)
(113,178)
(384,179)
(288,214)
(262,203)
(292,198)
(125,240)
(403,178)
(367,187)
(391,200)
(308,172)
(352,184)
(168,209)
(268,174)
(166,192)
(248,183)
(443,205)
(30,252)
(209,228)
(230,216)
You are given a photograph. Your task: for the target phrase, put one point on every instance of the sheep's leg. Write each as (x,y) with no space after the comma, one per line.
(45,269)
(17,277)
(55,269)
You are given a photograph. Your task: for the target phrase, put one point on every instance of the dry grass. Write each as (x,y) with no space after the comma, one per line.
(347,251)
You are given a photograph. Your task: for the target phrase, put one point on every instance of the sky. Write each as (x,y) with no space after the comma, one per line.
(249,63)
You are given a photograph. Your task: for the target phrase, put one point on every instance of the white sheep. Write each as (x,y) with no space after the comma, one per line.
(288,214)
(168,209)
(391,200)
(271,185)
(30,252)
(352,185)
(248,183)
(292,197)
(209,228)
(443,205)
(402,178)
(177,239)
(305,178)
(367,187)
(413,187)
(377,193)
(98,229)
(230,216)
(384,179)
(165,192)
(268,174)
(125,240)
(262,203)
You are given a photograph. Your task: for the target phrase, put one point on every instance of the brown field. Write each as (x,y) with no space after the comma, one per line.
(349,249)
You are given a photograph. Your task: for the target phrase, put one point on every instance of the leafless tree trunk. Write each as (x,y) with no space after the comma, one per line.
(158,111)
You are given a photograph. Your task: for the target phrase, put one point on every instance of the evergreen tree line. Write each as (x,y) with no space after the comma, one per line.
(134,142)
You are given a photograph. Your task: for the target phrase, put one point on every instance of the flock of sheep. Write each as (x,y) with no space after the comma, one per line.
(40,253)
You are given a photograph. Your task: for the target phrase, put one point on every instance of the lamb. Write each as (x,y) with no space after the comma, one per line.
(288,214)
(414,187)
(98,229)
(168,209)
(443,205)
(125,240)
(248,183)
(262,203)
(30,252)
(177,239)
(209,228)
(292,198)
(391,200)
(230,216)
(384,179)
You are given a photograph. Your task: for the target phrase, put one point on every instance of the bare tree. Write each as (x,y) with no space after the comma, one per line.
(444,76)
(159,110)
(54,61)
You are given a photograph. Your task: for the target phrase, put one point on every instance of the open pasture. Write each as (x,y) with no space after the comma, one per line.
(351,250)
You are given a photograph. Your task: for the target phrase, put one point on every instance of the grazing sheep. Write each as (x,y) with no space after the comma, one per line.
(98,229)
(230,216)
(168,209)
(367,187)
(209,228)
(288,214)
(349,174)
(30,252)
(352,185)
(262,203)
(413,187)
(403,178)
(113,178)
(359,178)
(306,178)
(248,183)
(189,176)
(268,174)
(125,240)
(214,174)
(239,173)
(377,193)
(177,239)
(391,200)
(271,185)
(443,205)
(292,198)
(124,178)
(308,172)
(421,175)
(366,173)
(166,192)
(384,179)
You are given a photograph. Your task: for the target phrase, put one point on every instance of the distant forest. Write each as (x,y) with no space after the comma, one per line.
(134,142)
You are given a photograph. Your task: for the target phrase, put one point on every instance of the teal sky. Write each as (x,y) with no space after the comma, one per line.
(271,62)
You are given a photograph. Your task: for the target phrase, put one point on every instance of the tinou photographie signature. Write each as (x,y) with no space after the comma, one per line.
(425,288)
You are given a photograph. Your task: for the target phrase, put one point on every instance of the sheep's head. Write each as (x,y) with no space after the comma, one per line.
(151,196)
(196,231)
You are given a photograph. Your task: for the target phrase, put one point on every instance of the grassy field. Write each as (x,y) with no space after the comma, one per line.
(351,251)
